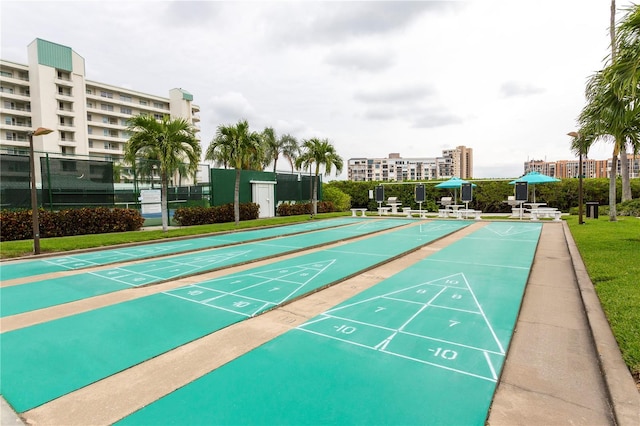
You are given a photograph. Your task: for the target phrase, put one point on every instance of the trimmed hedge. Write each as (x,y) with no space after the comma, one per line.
(488,196)
(189,216)
(18,225)
(286,209)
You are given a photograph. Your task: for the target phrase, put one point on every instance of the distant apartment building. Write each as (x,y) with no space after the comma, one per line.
(88,118)
(453,162)
(591,168)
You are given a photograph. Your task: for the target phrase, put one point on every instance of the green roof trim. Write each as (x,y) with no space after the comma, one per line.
(55,55)
(186,95)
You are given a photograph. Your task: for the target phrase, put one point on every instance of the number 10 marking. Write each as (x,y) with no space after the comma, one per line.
(444,353)
(344,329)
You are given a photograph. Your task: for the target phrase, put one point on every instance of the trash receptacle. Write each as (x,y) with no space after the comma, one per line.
(592,209)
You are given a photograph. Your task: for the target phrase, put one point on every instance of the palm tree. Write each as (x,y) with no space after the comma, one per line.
(286,145)
(612,110)
(624,74)
(242,150)
(219,154)
(320,153)
(171,141)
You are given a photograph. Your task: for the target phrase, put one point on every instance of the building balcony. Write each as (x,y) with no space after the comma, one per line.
(64,96)
(103,138)
(66,112)
(18,127)
(116,151)
(15,110)
(67,141)
(64,82)
(15,80)
(99,125)
(16,140)
(11,95)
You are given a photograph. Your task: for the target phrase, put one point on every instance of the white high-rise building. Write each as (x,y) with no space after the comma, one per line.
(87,117)
(454,162)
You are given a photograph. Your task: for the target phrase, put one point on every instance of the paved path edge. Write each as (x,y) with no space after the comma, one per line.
(623,394)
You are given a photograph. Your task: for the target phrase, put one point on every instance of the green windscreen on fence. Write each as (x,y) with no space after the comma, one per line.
(15,182)
(296,187)
(71,182)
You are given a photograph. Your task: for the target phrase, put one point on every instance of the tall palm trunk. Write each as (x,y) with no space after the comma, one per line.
(236,198)
(614,158)
(315,190)
(624,171)
(612,186)
(164,203)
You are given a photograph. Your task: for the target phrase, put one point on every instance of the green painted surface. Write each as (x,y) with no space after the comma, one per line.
(186,95)
(42,362)
(55,55)
(21,269)
(425,346)
(48,360)
(50,292)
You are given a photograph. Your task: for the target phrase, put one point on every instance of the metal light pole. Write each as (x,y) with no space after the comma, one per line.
(34,192)
(580,200)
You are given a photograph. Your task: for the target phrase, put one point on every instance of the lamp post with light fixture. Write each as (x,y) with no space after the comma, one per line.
(34,193)
(579,143)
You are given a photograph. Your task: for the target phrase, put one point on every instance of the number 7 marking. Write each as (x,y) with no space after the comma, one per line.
(380,308)
(452,323)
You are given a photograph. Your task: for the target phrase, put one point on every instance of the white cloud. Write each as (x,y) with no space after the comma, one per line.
(230,107)
(503,77)
(510,89)
(359,60)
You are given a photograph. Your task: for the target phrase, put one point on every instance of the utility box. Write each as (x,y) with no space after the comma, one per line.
(592,209)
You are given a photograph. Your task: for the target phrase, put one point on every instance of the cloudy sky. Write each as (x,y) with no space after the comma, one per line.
(503,77)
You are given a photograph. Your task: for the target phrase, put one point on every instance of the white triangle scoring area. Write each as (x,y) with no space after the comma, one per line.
(252,293)
(439,323)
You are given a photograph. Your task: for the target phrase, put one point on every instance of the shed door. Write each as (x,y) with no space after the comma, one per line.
(263,194)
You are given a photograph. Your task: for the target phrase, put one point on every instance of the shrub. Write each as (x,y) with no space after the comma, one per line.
(189,216)
(629,208)
(17,225)
(340,200)
(286,209)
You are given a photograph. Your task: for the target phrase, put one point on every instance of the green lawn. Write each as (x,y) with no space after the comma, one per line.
(611,253)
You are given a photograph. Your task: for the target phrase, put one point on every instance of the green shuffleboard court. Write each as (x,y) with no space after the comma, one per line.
(48,360)
(55,291)
(20,269)
(425,346)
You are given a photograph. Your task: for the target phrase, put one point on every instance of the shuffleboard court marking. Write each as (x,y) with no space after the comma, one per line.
(496,265)
(452,293)
(405,351)
(526,231)
(61,355)
(14,269)
(168,269)
(54,291)
(100,258)
(232,293)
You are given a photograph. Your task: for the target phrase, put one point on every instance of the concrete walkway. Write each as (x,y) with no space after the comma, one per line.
(563,365)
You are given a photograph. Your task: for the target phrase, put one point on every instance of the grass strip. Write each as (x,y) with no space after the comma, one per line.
(610,251)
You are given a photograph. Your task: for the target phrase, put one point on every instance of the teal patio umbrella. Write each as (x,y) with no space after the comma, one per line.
(453,183)
(534,178)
